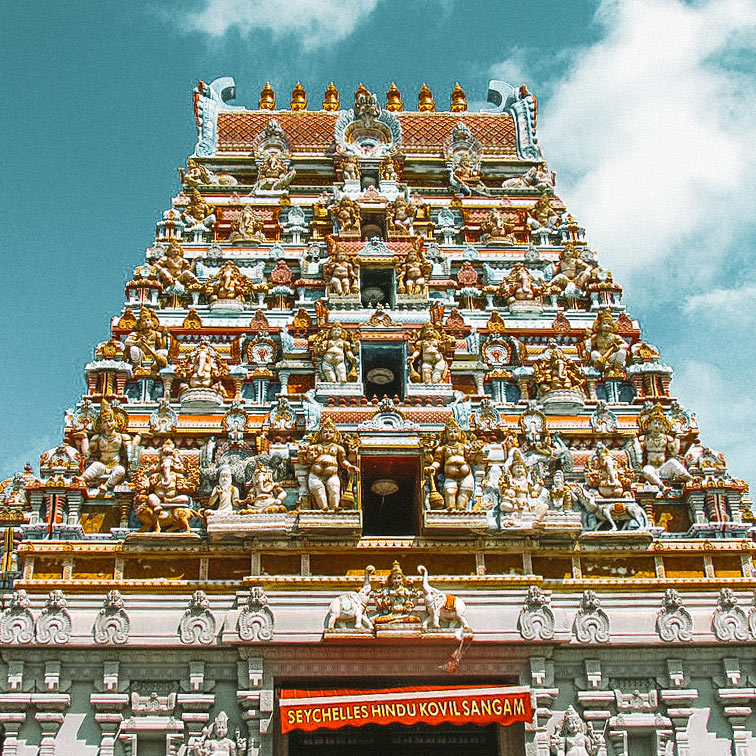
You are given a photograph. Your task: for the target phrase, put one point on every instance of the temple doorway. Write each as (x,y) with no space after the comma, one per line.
(390,495)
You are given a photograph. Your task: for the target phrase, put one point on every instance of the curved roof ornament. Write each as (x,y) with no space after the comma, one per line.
(367,130)
(209,100)
(522,106)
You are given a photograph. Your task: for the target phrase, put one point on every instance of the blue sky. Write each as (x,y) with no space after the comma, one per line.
(646,112)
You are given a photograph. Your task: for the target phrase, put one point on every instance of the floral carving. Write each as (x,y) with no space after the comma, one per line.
(673,622)
(112,623)
(17,621)
(256,618)
(197,626)
(536,620)
(54,623)
(729,622)
(591,622)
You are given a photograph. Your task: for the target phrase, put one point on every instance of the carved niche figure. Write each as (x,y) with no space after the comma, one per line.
(400,214)
(196,175)
(224,498)
(198,215)
(387,170)
(351,168)
(606,474)
(454,457)
(107,448)
(265,495)
(203,368)
(604,349)
(145,346)
(214,741)
(522,491)
(413,271)
(346,213)
(162,500)
(555,371)
(174,270)
(335,351)
(573,738)
(247,226)
(538,177)
(229,283)
(496,227)
(520,286)
(341,272)
(660,449)
(396,600)
(571,274)
(542,217)
(273,172)
(430,350)
(325,454)
(465,175)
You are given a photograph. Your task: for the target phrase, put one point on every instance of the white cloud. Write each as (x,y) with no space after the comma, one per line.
(314,22)
(729,307)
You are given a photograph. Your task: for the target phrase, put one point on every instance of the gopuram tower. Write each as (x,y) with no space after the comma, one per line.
(373,459)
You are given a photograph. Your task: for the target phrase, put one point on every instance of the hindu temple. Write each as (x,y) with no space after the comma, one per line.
(373,460)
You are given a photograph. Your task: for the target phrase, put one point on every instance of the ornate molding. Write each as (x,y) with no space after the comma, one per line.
(673,622)
(197,626)
(54,623)
(112,623)
(256,619)
(17,621)
(536,620)
(729,622)
(591,622)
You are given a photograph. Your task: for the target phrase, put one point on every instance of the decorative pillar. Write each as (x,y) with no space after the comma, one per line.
(257,703)
(542,683)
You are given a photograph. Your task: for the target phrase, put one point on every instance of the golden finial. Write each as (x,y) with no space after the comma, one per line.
(394,99)
(458,99)
(267,98)
(298,97)
(425,100)
(331,98)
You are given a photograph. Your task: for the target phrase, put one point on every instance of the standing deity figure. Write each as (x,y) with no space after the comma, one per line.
(400,214)
(224,498)
(396,600)
(214,741)
(173,269)
(555,371)
(413,271)
(454,457)
(387,170)
(247,226)
(341,273)
(228,283)
(162,490)
(660,449)
(606,475)
(570,272)
(335,352)
(145,346)
(604,349)
(496,227)
(325,454)
(346,213)
(351,168)
(273,173)
(573,738)
(520,285)
(203,368)
(428,360)
(107,448)
(465,175)
(265,495)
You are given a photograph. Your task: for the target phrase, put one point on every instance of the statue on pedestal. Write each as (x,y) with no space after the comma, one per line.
(341,273)
(145,346)
(335,351)
(604,349)
(413,271)
(396,600)
(454,457)
(428,360)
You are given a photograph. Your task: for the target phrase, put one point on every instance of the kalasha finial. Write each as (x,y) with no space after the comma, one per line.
(331,98)
(267,98)
(425,101)
(394,99)
(458,99)
(298,97)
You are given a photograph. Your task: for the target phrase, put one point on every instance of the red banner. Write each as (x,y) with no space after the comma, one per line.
(331,709)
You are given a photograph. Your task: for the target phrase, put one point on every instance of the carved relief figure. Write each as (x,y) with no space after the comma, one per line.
(224,498)
(573,738)
(454,457)
(465,175)
(273,172)
(660,450)
(496,227)
(387,170)
(214,741)
(145,346)
(107,448)
(203,368)
(247,226)
(570,272)
(400,214)
(520,285)
(413,271)
(341,273)
(396,600)
(351,168)
(606,475)
(556,371)
(604,349)
(229,283)
(174,269)
(346,213)
(265,495)
(441,607)
(335,351)
(428,358)
(351,607)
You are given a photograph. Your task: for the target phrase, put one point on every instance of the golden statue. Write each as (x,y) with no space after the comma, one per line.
(396,600)
(465,175)
(229,283)
(400,214)
(273,172)
(174,269)
(145,347)
(203,368)
(197,211)
(604,349)
(607,474)
(555,371)
(520,285)
(454,457)
(387,170)
(413,271)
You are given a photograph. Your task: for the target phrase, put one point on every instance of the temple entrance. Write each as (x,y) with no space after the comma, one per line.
(414,740)
(390,495)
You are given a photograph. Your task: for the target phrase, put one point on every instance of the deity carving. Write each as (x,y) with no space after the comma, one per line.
(174,270)
(145,347)
(431,348)
(521,490)
(571,274)
(229,283)
(542,218)
(203,368)
(107,448)
(247,226)
(497,228)
(335,353)
(351,168)
(454,457)
(273,172)
(604,349)
(326,455)
(607,475)
(465,175)
(196,175)
(265,495)
(198,215)
(573,738)
(538,177)
(346,213)
(214,741)
(387,170)
(341,271)
(396,600)
(413,271)
(520,286)
(224,498)
(400,214)
(555,371)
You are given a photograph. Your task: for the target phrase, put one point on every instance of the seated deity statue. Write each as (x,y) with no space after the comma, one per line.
(273,173)
(224,498)
(604,349)
(542,216)
(265,495)
(538,177)
(520,491)
(174,270)
(196,175)
(520,285)
(198,213)
(107,449)
(335,352)
(496,227)
(465,175)
(341,273)
(400,214)
(571,274)
(396,600)
(428,360)
(555,371)
(413,271)
(229,283)
(163,484)
(606,474)
(247,226)
(454,457)
(326,455)
(145,346)
(203,368)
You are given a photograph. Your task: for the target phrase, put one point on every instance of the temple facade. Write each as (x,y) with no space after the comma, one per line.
(374,459)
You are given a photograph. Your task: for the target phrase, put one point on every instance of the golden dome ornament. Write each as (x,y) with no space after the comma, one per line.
(331,98)
(458,99)
(298,97)
(425,101)
(394,99)
(267,98)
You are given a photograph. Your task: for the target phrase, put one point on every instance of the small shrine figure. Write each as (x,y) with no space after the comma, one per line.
(214,741)
(265,495)
(282,416)
(387,170)
(606,475)
(107,448)
(428,360)
(145,346)
(335,351)
(273,172)
(341,273)
(520,490)
(571,273)
(604,349)
(660,450)
(520,286)
(555,371)
(454,457)
(465,175)
(351,168)
(229,283)
(400,214)
(203,368)
(194,175)
(346,213)
(413,271)
(224,498)
(325,454)
(174,270)
(542,218)
(497,228)
(396,600)
(198,216)
(560,493)
(247,226)
(573,738)
(538,177)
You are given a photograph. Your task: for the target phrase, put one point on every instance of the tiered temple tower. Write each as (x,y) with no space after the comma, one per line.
(374,415)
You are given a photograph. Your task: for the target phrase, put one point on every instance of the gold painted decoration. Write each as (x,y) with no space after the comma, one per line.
(127,321)
(458,99)
(425,101)
(298,97)
(267,98)
(192,320)
(394,99)
(331,98)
